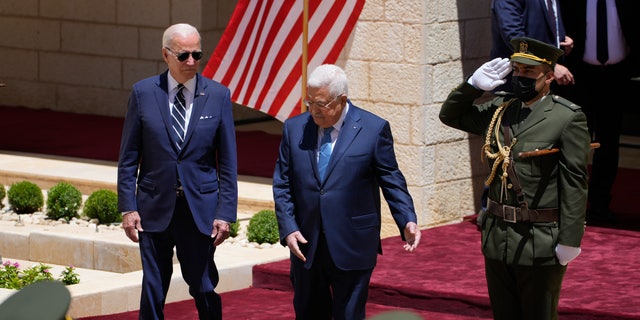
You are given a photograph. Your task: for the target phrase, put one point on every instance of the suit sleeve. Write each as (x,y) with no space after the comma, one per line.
(282,195)
(459,112)
(130,146)
(227,164)
(392,181)
(573,180)
(509,16)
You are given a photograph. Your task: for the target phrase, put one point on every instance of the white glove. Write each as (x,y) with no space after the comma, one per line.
(491,74)
(566,253)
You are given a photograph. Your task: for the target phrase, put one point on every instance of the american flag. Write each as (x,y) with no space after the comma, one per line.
(259,56)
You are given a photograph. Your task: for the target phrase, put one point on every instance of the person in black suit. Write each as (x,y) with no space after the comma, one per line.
(537,19)
(329,210)
(177,175)
(602,87)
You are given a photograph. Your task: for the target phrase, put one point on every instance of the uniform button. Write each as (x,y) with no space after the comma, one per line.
(321,191)
(509,186)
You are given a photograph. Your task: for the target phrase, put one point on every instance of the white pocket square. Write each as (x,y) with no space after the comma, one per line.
(206,117)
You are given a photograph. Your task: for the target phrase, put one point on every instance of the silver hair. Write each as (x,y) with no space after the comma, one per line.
(331,76)
(180,29)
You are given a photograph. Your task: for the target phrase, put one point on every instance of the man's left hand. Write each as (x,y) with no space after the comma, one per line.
(412,235)
(220,231)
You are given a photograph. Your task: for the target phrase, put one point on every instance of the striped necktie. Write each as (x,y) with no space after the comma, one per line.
(178,117)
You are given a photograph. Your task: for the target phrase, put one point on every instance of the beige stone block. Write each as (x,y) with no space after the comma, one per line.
(447,76)
(373,10)
(99,101)
(100,39)
(103,11)
(18,64)
(417,164)
(453,161)
(397,116)
(29,33)
(396,83)
(85,70)
(14,244)
(120,258)
(20,7)
(378,41)
(153,13)
(406,11)
(358,77)
(136,70)
(429,130)
(33,94)
(187,11)
(150,43)
(442,42)
(446,10)
(69,249)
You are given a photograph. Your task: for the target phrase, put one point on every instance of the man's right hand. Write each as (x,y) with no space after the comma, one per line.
(131,225)
(292,242)
(491,74)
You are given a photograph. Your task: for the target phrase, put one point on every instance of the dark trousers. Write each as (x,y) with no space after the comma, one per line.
(523,292)
(603,93)
(324,291)
(195,253)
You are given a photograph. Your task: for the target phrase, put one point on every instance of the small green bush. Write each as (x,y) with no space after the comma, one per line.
(25,197)
(2,194)
(103,205)
(63,201)
(263,227)
(233,229)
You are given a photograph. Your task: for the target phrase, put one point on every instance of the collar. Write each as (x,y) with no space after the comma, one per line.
(173,84)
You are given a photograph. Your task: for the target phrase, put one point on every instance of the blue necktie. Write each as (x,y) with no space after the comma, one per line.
(325,152)
(178,117)
(601,32)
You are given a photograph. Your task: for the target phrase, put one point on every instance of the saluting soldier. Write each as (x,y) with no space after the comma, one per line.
(536,204)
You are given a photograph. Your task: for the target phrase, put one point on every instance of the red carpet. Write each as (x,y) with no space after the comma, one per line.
(98,138)
(445,280)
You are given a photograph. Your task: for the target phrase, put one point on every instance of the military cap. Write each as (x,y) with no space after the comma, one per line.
(43,300)
(534,52)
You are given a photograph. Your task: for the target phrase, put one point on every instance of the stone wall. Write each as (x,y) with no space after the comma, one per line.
(402,60)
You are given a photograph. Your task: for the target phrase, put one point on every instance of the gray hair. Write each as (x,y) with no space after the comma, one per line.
(331,76)
(180,29)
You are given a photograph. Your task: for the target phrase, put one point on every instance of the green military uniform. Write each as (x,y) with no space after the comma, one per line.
(520,234)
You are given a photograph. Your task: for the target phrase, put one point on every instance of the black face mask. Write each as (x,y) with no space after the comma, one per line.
(524,88)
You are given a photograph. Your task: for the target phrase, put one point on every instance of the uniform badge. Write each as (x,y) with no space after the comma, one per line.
(524,47)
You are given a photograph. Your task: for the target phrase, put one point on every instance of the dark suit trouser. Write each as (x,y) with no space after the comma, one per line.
(195,253)
(324,291)
(603,94)
(523,292)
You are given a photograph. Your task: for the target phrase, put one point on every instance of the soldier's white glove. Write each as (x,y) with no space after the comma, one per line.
(491,74)
(566,253)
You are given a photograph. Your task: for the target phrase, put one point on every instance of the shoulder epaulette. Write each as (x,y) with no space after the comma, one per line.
(565,102)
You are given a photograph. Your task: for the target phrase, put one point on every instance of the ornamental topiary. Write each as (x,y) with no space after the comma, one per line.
(63,201)
(103,205)
(25,197)
(233,229)
(263,227)
(2,194)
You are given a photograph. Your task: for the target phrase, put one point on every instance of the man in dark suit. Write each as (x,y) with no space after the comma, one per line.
(537,19)
(603,88)
(177,175)
(327,196)
(536,206)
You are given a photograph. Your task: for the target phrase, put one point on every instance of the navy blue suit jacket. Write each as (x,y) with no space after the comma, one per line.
(521,18)
(206,165)
(346,206)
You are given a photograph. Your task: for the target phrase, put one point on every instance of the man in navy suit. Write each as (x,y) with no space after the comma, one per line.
(177,180)
(332,224)
(537,19)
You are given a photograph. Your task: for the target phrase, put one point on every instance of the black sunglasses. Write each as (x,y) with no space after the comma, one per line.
(184,55)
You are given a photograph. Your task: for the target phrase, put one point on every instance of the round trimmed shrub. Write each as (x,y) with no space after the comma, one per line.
(233,229)
(2,194)
(263,227)
(103,205)
(63,201)
(25,197)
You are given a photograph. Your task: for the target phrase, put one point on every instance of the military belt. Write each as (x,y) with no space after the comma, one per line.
(517,214)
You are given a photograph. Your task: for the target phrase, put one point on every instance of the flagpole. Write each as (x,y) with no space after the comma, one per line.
(305,34)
